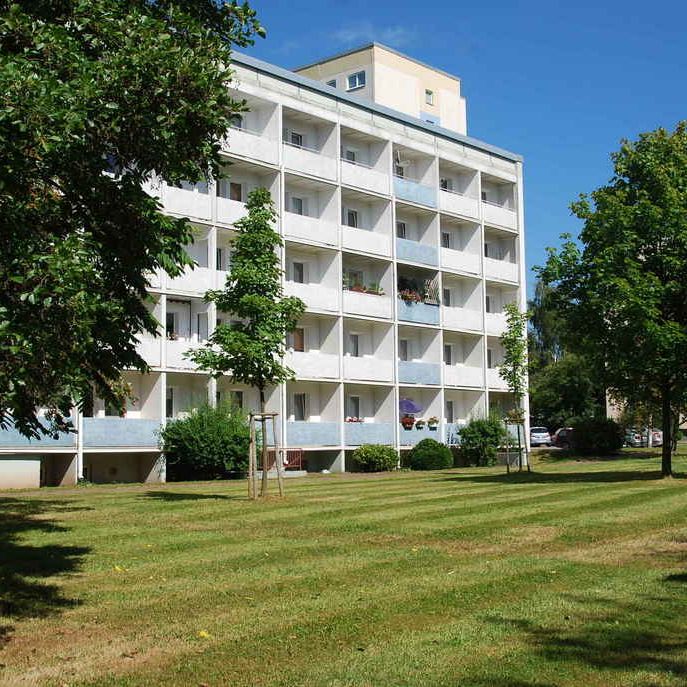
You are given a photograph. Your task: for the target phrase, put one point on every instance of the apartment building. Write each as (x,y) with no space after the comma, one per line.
(403,236)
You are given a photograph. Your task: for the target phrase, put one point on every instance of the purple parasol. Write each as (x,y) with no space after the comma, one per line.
(408,407)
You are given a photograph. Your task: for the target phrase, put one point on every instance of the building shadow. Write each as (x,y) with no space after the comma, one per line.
(172,496)
(603,476)
(26,570)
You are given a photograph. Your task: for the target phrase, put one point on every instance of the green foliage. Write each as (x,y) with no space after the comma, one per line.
(597,436)
(621,290)
(430,454)
(211,443)
(375,458)
(513,370)
(251,349)
(480,440)
(545,336)
(97,99)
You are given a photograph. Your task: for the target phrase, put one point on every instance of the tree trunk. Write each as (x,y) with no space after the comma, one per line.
(263,423)
(667,427)
(519,450)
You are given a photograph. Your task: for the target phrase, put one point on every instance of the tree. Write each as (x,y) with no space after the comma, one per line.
(513,370)
(251,350)
(97,99)
(623,290)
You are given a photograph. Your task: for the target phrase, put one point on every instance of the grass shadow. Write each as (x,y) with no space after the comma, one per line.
(25,569)
(172,496)
(605,476)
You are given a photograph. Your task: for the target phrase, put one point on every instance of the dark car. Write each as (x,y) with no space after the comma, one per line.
(563,437)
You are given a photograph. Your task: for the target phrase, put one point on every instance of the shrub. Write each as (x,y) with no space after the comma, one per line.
(211,443)
(430,454)
(480,440)
(598,436)
(375,457)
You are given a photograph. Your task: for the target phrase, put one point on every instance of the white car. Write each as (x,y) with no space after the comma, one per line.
(539,436)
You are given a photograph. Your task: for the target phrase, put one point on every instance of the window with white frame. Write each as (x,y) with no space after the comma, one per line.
(300,407)
(297,205)
(236,191)
(490,358)
(332,83)
(236,398)
(169,402)
(401,230)
(448,411)
(445,239)
(298,272)
(446,297)
(399,171)
(448,354)
(350,155)
(221,255)
(355,278)
(404,349)
(429,96)
(296,139)
(296,339)
(446,184)
(351,218)
(171,325)
(354,345)
(487,300)
(356,80)
(353,406)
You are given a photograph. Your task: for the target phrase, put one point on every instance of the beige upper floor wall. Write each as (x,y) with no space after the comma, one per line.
(398,82)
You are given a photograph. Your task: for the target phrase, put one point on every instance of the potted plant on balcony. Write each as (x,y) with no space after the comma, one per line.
(352,418)
(433,423)
(375,289)
(410,296)
(407,421)
(420,424)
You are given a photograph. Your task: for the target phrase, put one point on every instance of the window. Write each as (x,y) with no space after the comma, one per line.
(401,230)
(332,83)
(354,277)
(297,205)
(349,155)
(490,358)
(353,406)
(352,218)
(171,325)
(202,326)
(296,139)
(356,80)
(300,407)
(236,398)
(221,259)
(169,402)
(448,354)
(298,271)
(484,196)
(235,191)
(399,171)
(448,408)
(297,339)
(237,122)
(403,349)
(354,345)
(487,300)
(445,239)
(429,97)
(446,184)
(446,296)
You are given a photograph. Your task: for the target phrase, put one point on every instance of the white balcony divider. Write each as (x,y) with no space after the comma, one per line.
(315,296)
(462,318)
(366,304)
(309,161)
(368,368)
(458,204)
(495,381)
(197,281)
(251,144)
(361,176)
(463,375)
(460,260)
(500,269)
(496,323)
(313,364)
(495,214)
(367,241)
(311,229)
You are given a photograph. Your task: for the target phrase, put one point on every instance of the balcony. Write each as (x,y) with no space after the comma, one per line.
(358,433)
(356,303)
(310,161)
(366,241)
(415,192)
(197,281)
(368,368)
(496,323)
(230,211)
(458,204)
(414,251)
(315,296)
(421,313)
(150,348)
(120,432)
(463,375)
(313,364)
(462,319)
(500,269)
(499,215)
(495,381)
(418,373)
(189,201)
(11,438)
(410,437)
(460,260)
(251,144)
(361,176)
(175,351)
(300,434)
(310,229)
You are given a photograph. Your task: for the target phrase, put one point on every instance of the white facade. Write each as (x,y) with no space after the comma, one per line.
(369,202)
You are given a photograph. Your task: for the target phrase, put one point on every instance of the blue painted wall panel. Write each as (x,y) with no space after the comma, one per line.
(413,251)
(415,192)
(358,433)
(423,313)
(418,373)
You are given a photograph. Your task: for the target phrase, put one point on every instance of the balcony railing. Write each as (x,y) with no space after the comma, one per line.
(499,215)
(366,241)
(462,319)
(309,160)
(313,364)
(175,352)
(252,144)
(300,434)
(460,260)
(496,323)
(368,368)
(363,176)
(195,280)
(315,296)
(410,437)
(356,303)
(495,381)
(458,204)
(111,432)
(418,372)
(358,433)
(230,211)
(500,269)
(188,202)
(12,438)
(463,375)
(414,251)
(310,229)
(421,313)
(414,191)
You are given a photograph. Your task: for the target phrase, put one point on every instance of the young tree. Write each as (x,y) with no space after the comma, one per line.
(623,290)
(513,370)
(251,350)
(97,98)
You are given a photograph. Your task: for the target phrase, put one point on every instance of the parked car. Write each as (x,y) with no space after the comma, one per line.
(634,438)
(562,437)
(539,436)
(656,437)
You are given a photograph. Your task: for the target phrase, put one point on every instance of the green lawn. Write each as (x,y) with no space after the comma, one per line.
(573,575)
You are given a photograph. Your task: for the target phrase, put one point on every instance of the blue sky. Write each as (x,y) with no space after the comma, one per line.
(558,82)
